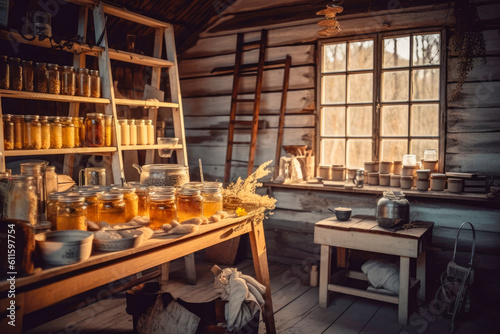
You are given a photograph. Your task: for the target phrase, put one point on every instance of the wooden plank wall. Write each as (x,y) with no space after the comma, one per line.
(472,130)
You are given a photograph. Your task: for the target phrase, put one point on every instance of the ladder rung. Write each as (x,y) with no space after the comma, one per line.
(241,143)
(240,161)
(245,100)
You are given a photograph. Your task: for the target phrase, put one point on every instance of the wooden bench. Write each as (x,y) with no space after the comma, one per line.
(363,233)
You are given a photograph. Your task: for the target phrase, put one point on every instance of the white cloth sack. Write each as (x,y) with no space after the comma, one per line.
(244,296)
(382,273)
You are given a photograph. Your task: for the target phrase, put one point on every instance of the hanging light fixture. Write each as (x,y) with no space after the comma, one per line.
(330,26)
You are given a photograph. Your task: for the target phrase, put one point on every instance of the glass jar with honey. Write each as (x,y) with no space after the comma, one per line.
(162,209)
(95,84)
(108,122)
(76,122)
(55,132)
(68,132)
(45,132)
(111,208)
(18,131)
(52,201)
(71,213)
(32,132)
(189,204)
(91,201)
(142,193)
(131,201)
(212,200)
(95,130)
(8,132)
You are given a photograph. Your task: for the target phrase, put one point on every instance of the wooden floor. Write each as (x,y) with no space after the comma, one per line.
(295,306)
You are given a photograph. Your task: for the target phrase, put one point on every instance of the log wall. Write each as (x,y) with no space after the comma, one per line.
(472,124)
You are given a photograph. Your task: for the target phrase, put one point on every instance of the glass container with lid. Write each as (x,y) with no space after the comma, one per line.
(151,132)
(42,78)
(71,213)
(54,85)
(68,132)
(212,200)
(133,132)
(83,82)
(142,193)
(4,73)
(95,84)
(131,201)
(8,132)
(91,201)
(189,204)
(108,122)
(68,80)
(55,132)
(32,132)
(52,201)
(37,170)
(76,122)
(163,174)
(28,75)
(16,74)
(124,132)
(21,201)
(111,208)
(162,209)
(142,133)
(18,131)
(45,125)
(95,130)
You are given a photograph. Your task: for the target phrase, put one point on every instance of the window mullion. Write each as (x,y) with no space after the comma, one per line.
(377,66)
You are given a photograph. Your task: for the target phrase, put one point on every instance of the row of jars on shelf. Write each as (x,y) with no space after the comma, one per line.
(32,132)
(117,205)
(17,74)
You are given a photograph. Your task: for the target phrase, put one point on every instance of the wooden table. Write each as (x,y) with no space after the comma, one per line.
(52,285)
(363,233)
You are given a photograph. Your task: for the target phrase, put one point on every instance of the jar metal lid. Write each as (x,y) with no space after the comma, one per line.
(162,196)
(110,196)
(122,190)
(189,191)
(71,199)
(55,195)
(94,114)
(210,189)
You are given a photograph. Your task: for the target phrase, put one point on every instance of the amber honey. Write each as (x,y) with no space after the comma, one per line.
(71,213)
(189,204)
(131,201)
(212,199)
(162,210)
(92,203)
(111,208)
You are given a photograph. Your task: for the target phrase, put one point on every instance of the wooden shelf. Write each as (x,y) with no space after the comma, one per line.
(18,94)
(145,103)
(379,190)
(147,147)
(90,50)
(76,150)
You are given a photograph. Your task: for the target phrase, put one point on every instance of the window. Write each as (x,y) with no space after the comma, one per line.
(379,98)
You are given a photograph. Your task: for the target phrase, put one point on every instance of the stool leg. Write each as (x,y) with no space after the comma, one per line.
(404,288)
(324,275)
(421,275)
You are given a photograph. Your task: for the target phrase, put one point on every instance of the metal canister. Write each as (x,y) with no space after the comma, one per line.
(393,209)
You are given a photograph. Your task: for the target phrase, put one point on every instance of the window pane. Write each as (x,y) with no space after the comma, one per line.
(333,89)
(360,88)
(358,151)
(425,84)
(425,120)
(332,121)
(396,52)
(359,121)
(418,146)
(394,86)
(426,49)
(334,57)
(393,149)
(332,152)
(360,56)
(394,121)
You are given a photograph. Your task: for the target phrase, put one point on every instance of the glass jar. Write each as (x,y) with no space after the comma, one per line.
(92,203)
(95,130)
(151,132)
(81,131)
(162,209)
(133,132)
(4,73)
(42,78)
(4,185)
(51,182)
(189,204)
(212,200)
(18,131)
(76,123)
(68,80)
(54,86)
(28,75)
(108,122)
(124,132)
(142,133)
(71,213)
(45,143)
(37,171)
(32,132)
(21,201)
(111,208)
(68,132)
(15,74)
(142,193)
(52,202)
(55,132)
(131,201)
(21,261)
(8,132)
(83,82)
(95,84)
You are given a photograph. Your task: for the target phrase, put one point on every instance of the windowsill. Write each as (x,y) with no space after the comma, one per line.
(379,190)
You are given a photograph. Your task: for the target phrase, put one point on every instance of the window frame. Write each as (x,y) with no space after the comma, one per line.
(377,78)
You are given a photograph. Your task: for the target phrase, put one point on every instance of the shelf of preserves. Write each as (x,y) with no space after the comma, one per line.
(145,103)
(19,94)
(75,150)
(90,50)
(148,147)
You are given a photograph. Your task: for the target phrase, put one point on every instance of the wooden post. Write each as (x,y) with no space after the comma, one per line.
(404,288)
(324,275)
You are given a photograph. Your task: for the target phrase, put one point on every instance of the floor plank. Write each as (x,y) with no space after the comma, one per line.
(385,321)
(355,317)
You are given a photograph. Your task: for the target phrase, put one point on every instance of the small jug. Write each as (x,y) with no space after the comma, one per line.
(359,178)
(92,176)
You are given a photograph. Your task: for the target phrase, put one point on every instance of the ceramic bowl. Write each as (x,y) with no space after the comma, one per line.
(343,213)
(59,248)
(131,239)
